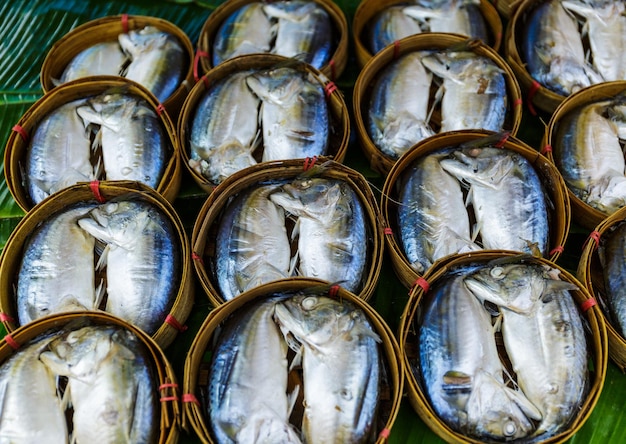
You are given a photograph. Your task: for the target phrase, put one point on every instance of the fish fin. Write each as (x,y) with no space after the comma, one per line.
(292,398)
(527,407)
(100,291)
(102,260)
(299,349)
(293,265)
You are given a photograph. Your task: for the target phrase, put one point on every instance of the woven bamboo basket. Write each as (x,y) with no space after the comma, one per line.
(339,133)
(368,9)
(169,411)
(407,337)
(107,29)
(506,8)
(19,139)
(380,161)
(203,237)
(590,273)
(559,216)
(10,260)
(198,358)
(582,213)
(332,69)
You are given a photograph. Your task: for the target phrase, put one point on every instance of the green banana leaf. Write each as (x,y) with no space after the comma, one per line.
(29,28)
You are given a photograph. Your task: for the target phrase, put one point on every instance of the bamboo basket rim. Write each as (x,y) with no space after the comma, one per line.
(102,191)
(597,342)
(193,414)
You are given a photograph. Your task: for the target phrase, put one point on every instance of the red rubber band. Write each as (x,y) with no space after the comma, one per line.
(330,88)
(12,342)
(422,283)
(591,302)
(124,20)
(196,257)
(196,61)
(333,70)
(595,236)
(160,109)
(546,149)
(309,162)
(503,140)
(388,231)
(333,290)
(168,385)
(384,434)
(517,102)
(6,318)
(94,185)
(206,82)
(190,397)
(171,320)
(535,86)
(169,398)
(557,249)
(396,49)
(22,132)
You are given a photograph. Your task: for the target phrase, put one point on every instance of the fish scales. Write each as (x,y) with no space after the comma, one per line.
(456,16)
(612,253)
(390,25)
(105,58)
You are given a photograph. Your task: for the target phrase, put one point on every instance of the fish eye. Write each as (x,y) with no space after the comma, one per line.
(497,273)
(309,303)
(110,207)
(510,428)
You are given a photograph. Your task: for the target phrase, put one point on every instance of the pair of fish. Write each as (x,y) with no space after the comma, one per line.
(296,28)
(110,136)
(282,110)
(110,385)
(254,246)
(473,95)
(248,381)
(464,378)
(149,56)
(508,202)
(135,242)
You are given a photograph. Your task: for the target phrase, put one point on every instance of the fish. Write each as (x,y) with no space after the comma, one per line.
(157,60)
(390,25)
(303,31)
(432,219)
(461,372)
(252,246)
(133,142)
(59,153)
(474,91)
(398,112)
(247,395)
(30,409)
(450,16)
(611,252)
(57,272)
(341,364)
(507,196)
(248,30)
(294,115)
(225,128)
(331,229)
(142,258)
(553,51)
(104,58)
(111,384)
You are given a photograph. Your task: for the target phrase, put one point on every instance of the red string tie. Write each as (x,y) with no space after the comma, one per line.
(422,283)
(12,342)
(585,306)
(333,290)
(190,397)
(168,385)
(546,149)
(558,249)
(160,109)
(333,70)
(330,88)
(196,63)
(196,257)
(517,102)
(171,320)
(124,20)
(309,162)
(22,132)
(94,185)
(534,87)
(388,231)
(6,318)
(384,434)
(169,398)
(595,236)
(502,140)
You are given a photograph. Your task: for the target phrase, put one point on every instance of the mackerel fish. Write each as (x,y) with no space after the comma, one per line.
(390,25)
(612,252)
(247,393)
(31,411)
(331,229)
(460,369)
(104,58)
(398,110)
(57,270)
(111,385)
(456,16)
(432,219)
(341,366)
(252,246)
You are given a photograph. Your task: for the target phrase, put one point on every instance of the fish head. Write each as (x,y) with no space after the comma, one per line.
(137,42)
(310,197)
(279,86)
(119,223)
(112,110)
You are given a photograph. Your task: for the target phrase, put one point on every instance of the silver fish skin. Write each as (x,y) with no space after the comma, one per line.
(474,91)
(391,24)
(248,30)
(432,219)
(548,350)
(341,366)
(59,154)
(158,60)
(142,260)
(605,25)
(31,411)
(57,270)
(461,370)
(252,246)
(612,252)
(248,399)
(111,385)
(303,31)
(507,196)
(294,114)
(398,109)
(104,58)
(553,50)
(332,242)
(225,128)
(134,144)
(456,16)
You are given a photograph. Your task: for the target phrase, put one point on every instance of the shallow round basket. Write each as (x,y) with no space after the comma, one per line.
(582,213)
(380,161)
(198,358)
(333,69)
(169,405)
(19,139)
(590,273)
(11,258)
(559,211)
(368,9)
(407,337)
(203,237)
(506,8)
(107,29)
(339,131)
